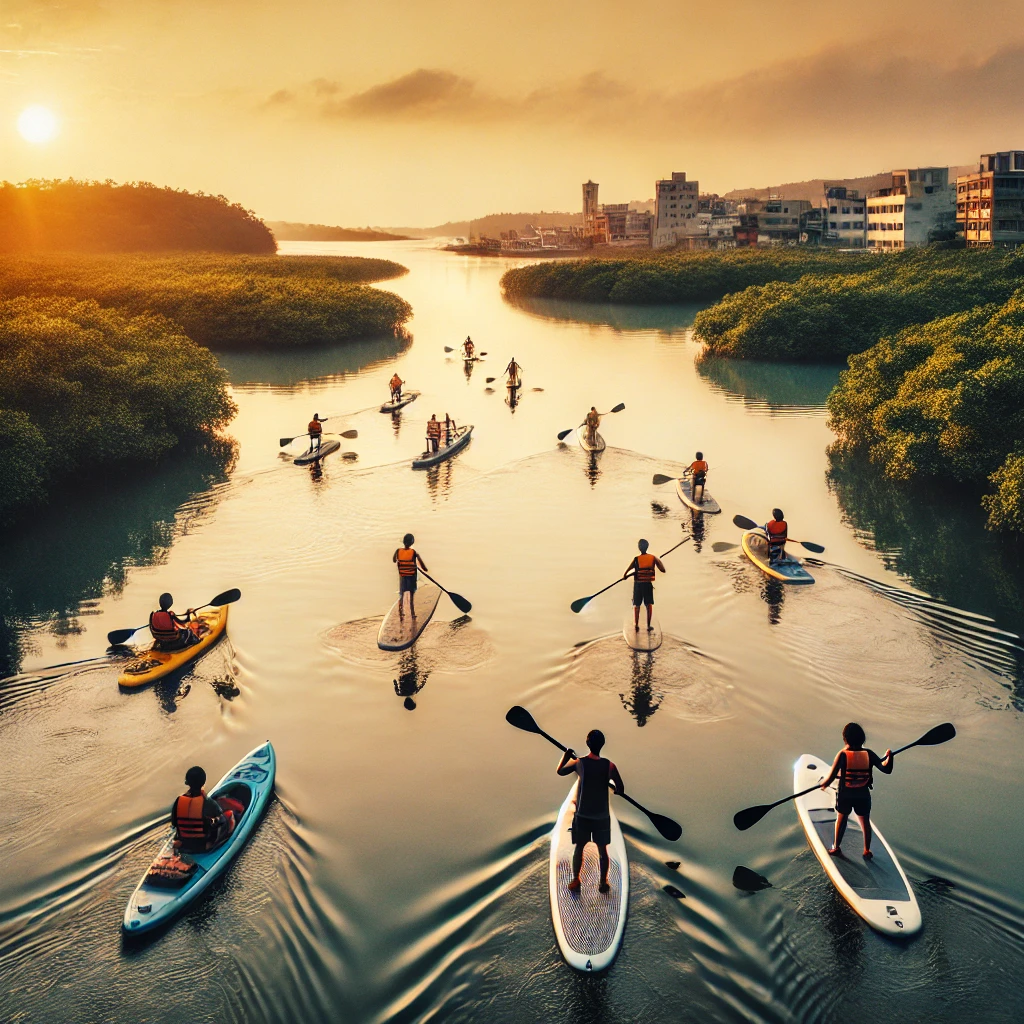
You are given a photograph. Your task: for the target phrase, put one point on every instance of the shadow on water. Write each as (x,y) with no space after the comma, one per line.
(642,701)
(282,371)
(667,319)
(787,389)
(81,548)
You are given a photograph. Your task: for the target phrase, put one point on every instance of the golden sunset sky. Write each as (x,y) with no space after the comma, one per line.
(401,112)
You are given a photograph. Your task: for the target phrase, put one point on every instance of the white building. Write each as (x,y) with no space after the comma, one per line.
(676,210)
(844,218)
(919,207)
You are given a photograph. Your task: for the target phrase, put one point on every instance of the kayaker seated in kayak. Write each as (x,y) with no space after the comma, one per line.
(407,559)
(642,569)
(433,433)
(592,422)
(396,388)
(201,823)
(468,348)
(171,632)
(316,432)
(698,475)
(853,765)
(777,531)
(513,370)
(592,821)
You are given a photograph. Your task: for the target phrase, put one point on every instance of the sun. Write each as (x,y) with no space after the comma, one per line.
(37,124)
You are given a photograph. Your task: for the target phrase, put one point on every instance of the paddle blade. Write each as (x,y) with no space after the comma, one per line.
(660,478)
(490,380)
(674,892)
(744,523)
(940,734)
(350,456)
(580,603)
(521,719)
(563,434)
(119,636)
(483,353)
(448,348)
(285,441)
(350,434)
(670,829)
(811,546)
(750,816)
(461,603)
(228,597)
(619,407)
(749,881)
(723,545)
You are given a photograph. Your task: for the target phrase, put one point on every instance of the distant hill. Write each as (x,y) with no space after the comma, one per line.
(288,231)
(813,190)
(493,224)
(101,216)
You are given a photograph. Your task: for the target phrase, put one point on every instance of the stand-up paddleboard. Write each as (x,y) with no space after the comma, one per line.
(684,488)
(409,396)
(154,664)
(581,435)
(588,924)
(462,435)
(312,454)
(787,569)
(642,639)
(877,889)
(397,632)
(251,783)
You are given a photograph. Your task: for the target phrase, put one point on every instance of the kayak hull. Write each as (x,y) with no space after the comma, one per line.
(588,924)
(707,505)
(581,435)
(397,632)
(877,889)
(642,639)
(428,459)
(151,907)
(315,455)
(152,665)
(787,569)
(409,396)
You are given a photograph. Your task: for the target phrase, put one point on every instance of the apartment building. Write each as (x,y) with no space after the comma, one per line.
(617,224)
(990,203)
(676,209)
(917,208)
(778,220)
(843,220)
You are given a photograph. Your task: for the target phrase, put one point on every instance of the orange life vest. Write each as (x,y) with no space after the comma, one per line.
(857,773)
(644,568)
(189,818)
(406,562)
(163,627)
(433,428)
(315,427)
(396,382)
(699,466)
(777,531)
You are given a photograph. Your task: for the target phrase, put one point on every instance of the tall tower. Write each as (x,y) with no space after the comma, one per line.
(590,208)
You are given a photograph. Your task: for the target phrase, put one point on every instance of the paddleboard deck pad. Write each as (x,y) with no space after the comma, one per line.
(153,664)
(684,488)
(588,924)
(787,569)
(251,783)
(315,454)
(581,435)
(397,631)
(409,396)
(642,639)
(462,436)
(877,889)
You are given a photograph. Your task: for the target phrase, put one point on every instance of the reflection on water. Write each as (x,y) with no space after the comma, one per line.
(777,389)
(641,701)
(670,321)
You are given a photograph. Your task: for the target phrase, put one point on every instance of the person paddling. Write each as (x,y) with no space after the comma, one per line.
(592,422)
(468,348)
(433,433)
(777,531)
(513,370)
(407,559)
(698,475)
(396,388)
(171,632)
(642,569)
(316,432)
(853,766)
(200,822)
(592,821)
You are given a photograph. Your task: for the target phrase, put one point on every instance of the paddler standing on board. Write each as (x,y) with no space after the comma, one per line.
(513,370)
(408,562)
(698,475)
(592,422)
(853,765)
(396,388)
(316,432)
(776,530)
(433,433)
(468,348)
(592,822)
(642,570)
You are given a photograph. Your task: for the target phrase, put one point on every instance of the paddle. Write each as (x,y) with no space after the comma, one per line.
(749,881)
(748,524)
(565,433)
(660,478)
(288,440)
(118,636)
(581,602)
(522,719)
(490,380)
(750,816)
(723,545)
(447,348)
(457,599)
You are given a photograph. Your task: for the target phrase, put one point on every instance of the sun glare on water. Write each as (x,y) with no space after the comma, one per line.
(37,124)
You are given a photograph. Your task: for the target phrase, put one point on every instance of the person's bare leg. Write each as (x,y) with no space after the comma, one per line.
(412,602)
(401,605)
(650,612)
(602,852)
(840,831)
(577,866)
(865,824)
(636,618)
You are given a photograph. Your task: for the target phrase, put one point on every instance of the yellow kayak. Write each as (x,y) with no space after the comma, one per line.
(152,665)
(787,569)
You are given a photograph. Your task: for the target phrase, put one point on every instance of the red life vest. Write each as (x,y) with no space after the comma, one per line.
(163,627)
(406,561)
(315,427)
(188,814)
(857,773)
(433,428)
(699,467)
(777,531)
(644,568)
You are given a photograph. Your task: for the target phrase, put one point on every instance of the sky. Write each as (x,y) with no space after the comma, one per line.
(414,112)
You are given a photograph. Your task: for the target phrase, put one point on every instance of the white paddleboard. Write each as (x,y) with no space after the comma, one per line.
(588,924)
(397,632)
(787,569)
(409,396)
(642,639)
(581,435)
(312,454)
(684,488)
(877,889)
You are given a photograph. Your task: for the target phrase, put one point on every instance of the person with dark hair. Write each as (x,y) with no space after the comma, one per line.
(513,370)
(171,632)
(853,765)
(396,387)
(642,569)
(407,559)
(201,823)
(698,475)
(592,421)
(433,434)
(777,530)
(316,432)
(592,821)
(468,348)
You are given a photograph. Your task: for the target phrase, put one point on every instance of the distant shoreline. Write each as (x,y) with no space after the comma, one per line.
(286,231)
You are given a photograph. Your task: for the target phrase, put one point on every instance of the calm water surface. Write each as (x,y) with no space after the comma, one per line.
(401,874)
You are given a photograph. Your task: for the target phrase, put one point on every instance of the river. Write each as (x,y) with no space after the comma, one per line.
(401,872)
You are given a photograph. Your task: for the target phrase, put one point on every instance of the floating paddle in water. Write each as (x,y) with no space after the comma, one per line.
(748,524)
(288,440)
(563,434)
(457,599)
(522,719)
(752,815)
(749,881)
(581,602)
(118,636)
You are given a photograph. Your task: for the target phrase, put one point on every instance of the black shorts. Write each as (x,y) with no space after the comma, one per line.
(643,593)
(698,479)
(407,584)
(855,801)
(591,830)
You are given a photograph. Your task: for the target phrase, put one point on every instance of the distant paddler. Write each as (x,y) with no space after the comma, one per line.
(642,570)
(698,475)
(316,432)
(409,563)
(513,370)
(433,433)
(592,422)
(777,532)
(396,388)
(468,348)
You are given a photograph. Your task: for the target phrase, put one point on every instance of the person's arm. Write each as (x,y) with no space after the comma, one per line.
(629,569)
(394,557)
(423,565)
(616,778)
(567,765)
(657,562)
(883,764)
(174,815)
(832,775)
(182,621)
